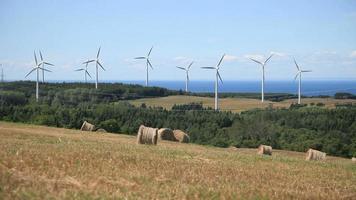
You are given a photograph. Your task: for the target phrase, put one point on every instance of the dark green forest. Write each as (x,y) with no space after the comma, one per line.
(69,104)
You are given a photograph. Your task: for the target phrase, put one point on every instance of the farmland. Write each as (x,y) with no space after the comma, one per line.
(233,104)
(40,162)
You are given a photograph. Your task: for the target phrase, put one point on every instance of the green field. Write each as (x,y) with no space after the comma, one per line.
(38,162)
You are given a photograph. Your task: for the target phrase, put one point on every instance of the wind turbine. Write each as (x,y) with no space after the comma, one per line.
(97,63)
(217,76)
(37,68)
(2,74)
(148,63)
(187,75)
(43,63)
(263,64)
(85,71)
(299,73)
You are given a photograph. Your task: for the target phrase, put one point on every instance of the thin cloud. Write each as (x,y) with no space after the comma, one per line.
(254,56)
(231,58)
(353,54)
(280,54)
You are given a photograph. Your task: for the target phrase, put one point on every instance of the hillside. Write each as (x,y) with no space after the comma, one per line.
(233,104)
(40,163)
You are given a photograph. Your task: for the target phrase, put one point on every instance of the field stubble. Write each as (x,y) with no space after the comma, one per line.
(41,162)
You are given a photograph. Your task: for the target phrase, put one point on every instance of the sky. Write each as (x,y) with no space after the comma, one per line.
(319,34)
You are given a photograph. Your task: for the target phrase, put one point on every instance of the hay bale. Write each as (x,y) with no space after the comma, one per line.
(264,150)
(180,136)
(166,134)
(101,130)
(353,159)
(147,135)
(315,155)
(87,126)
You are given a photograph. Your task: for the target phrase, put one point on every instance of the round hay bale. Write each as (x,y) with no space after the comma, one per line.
(353,159)
(264,150)
(180,136)
(315,155)
(147,135)
(166,134)
(87,126)
(101,130)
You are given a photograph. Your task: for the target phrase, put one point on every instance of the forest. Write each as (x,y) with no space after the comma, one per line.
(68,105)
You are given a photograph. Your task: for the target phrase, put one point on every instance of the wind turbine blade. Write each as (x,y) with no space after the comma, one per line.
(188,77)
(39,64)
(89,61)
(220,61)
(208,67)
(30,72)
(101,66)
(181,68)
(296,64)
(149,53)
(34,54)
(256,61)
(97,55)
(296,76)
(77,70)
(190,65)
(88,73)
(306,70)
(140,58)
(41,55)
(220,78)
(45,69)
(268,58)
(149,63)
(48,63)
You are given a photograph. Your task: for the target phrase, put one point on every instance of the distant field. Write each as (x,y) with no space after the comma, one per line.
(232,104)
(51,163)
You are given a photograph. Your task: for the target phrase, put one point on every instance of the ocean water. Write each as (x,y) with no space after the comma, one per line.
(309,88)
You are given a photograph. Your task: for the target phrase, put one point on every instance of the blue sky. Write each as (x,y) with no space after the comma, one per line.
(320,34)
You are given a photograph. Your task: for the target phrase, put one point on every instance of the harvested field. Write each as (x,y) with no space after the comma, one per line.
(233,104)
(50,163)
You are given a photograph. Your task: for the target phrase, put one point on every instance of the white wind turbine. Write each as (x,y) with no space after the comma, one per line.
(37,68)
(299,73)
(187,75)
(263,64)
(97,63)
(43,63)
(85,71)
(217,76)
(2,74)
(148,63)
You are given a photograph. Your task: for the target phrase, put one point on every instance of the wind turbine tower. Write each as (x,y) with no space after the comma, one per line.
(217,77)
(299,73)
(37,68)
(85,71)
(263,64)
(187,75)
(43,63)
(97,64)
(148,63)
(2,74)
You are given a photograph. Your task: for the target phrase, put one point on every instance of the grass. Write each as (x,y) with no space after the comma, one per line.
(232,104)
(50,163)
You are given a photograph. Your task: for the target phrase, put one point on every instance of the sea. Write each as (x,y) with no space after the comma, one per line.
(309,87)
